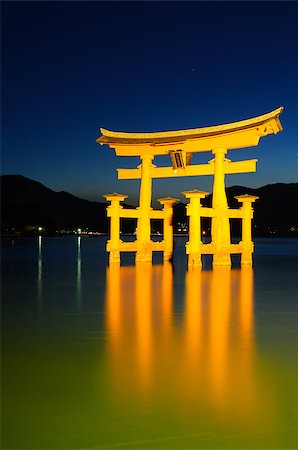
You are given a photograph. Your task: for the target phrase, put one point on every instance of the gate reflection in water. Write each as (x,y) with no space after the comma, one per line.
(198,368)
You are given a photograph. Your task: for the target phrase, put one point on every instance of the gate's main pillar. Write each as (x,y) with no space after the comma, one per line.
(220,228)
(144,247)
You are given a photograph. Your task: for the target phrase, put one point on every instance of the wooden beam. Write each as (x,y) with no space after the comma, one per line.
(129,213)
(189,171)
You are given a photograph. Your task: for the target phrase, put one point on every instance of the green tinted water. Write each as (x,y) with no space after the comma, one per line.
(147,357)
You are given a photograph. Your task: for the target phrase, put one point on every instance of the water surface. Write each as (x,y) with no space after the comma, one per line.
(147,356)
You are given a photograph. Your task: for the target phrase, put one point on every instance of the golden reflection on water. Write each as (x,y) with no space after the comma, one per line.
(39,275)
(144,312)
(200,360)
(219,337)
(79,275)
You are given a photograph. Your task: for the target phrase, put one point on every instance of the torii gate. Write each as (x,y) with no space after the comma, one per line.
(180,145)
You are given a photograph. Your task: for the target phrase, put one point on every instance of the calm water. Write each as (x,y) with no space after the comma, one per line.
(147,357)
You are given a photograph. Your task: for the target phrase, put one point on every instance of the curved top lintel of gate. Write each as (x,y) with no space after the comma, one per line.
(245,133)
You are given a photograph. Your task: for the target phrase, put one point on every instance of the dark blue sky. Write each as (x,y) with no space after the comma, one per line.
(69,68)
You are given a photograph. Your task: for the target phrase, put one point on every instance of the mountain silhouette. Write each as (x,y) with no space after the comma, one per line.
(27,204)
(275,212)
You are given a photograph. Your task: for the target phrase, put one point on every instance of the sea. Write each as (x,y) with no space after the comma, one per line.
(153,356)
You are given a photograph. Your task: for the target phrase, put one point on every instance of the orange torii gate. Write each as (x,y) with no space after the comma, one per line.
(180,145)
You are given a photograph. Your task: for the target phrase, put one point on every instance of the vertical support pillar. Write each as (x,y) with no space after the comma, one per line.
(113,211)
(168,203)
(144,247)
(193,246)
(246,242)
(220,228)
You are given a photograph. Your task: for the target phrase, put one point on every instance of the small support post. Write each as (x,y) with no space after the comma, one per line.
(168,203)
(247,244)
(113,211)
(144,252)
(220,229)
(193,246)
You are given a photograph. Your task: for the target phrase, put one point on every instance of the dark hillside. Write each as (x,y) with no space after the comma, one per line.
(28,203)
(276,211)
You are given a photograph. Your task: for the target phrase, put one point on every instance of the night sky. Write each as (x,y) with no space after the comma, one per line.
(69,68)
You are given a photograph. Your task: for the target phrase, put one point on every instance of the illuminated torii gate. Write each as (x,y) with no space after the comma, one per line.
(180,145)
